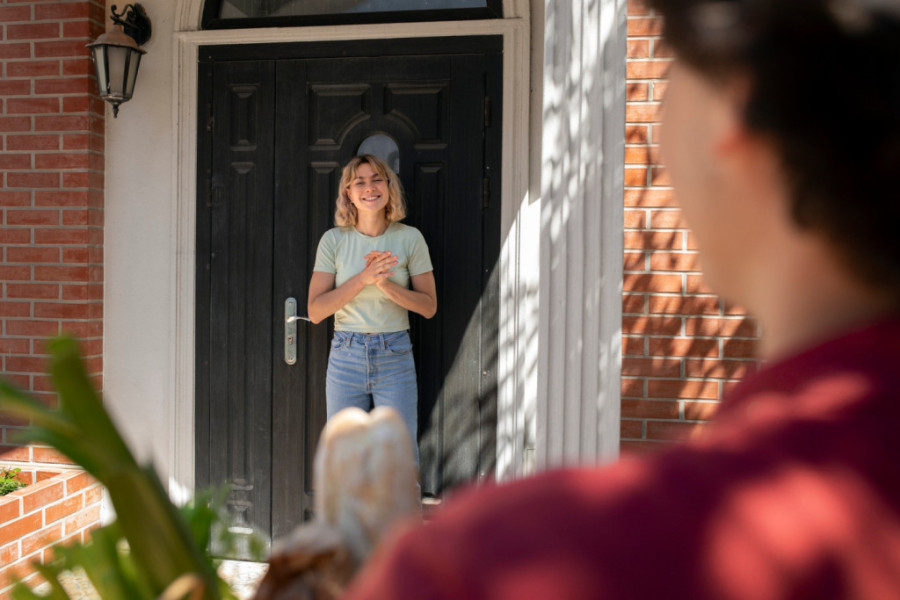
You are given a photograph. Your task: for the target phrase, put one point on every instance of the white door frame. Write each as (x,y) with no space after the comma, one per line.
(519,214)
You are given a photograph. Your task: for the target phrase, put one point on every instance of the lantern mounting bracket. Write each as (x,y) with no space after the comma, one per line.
(134,22)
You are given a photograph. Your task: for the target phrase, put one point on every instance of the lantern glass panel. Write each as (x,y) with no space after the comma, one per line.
(100,68)
(117,60)
(134,61)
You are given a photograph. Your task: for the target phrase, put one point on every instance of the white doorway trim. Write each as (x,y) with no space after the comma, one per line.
(519,222)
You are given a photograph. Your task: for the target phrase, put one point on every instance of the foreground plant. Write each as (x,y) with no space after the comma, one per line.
(9,481)
(153,549)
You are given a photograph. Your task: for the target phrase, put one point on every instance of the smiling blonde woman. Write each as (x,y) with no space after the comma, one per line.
(370,271)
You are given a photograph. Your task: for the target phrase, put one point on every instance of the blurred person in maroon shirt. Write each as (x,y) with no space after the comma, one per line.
(781,133)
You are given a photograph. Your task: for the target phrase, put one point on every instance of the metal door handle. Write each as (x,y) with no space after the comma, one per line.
(290,330)
(293,318)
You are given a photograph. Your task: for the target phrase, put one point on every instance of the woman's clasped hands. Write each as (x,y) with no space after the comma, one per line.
(379,266)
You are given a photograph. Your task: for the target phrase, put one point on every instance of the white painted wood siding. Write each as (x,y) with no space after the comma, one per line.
(581,232)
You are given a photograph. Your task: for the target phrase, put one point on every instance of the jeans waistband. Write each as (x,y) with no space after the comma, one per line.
(369,340)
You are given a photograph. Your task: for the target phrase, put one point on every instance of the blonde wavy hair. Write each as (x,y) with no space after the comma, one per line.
(345,215)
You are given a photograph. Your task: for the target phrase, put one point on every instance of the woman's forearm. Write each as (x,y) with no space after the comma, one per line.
(418,302)
(323,304)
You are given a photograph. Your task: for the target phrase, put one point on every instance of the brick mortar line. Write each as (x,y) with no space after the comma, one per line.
(35,21)
(46,301)
(693,379)
(46,152)
(47,78)
(48,189)
(69,207)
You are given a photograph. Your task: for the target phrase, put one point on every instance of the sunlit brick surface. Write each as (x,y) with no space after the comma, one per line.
(682,347)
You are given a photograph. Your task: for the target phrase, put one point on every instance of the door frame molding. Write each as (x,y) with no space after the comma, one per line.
(519,216)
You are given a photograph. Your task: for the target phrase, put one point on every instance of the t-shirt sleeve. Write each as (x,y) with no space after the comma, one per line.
(326,254)
(419,258)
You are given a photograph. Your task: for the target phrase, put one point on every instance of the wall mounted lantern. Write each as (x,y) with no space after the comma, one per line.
(117,54)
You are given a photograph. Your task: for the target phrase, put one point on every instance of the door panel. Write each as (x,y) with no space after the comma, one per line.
(234,288)
(318,111)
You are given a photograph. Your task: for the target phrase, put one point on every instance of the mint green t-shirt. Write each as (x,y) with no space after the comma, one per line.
(342,252)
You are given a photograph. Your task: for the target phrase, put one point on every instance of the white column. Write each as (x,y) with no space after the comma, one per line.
(582,162)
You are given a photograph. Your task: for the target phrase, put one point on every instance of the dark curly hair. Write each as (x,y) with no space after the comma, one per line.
(825,87)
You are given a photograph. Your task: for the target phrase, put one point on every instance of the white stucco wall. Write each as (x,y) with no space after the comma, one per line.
(138,233)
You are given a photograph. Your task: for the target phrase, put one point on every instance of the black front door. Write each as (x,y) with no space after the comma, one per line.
(277,124)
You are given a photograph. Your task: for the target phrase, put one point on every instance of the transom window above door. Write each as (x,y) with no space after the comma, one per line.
(229,14)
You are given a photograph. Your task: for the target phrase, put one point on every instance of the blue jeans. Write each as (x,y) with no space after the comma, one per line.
(377,368)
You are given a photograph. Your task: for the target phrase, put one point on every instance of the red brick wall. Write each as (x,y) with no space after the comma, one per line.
(55,507)
(682,347)
(51,201)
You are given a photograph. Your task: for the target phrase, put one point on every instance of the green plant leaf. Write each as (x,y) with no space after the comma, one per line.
(9,482)
(23,592)
(79,400)
(16,402)
(51,573)
(159,539)
(162,546)
(106,566)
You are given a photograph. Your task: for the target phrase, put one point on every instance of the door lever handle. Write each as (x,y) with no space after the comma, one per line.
(290,330)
